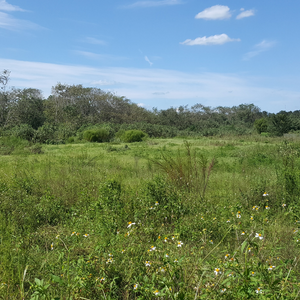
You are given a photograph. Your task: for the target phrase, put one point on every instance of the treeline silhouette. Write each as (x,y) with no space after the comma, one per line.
(72,109)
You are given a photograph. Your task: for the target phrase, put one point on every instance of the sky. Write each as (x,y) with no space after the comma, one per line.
(158,53)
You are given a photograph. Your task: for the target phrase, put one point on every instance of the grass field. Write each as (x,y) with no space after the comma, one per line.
(207,218)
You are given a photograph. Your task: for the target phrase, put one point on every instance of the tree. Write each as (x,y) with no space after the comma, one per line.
(4,100)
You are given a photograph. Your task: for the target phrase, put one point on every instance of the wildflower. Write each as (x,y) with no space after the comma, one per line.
(223,290)
(161,269)
(179,244)
(251,218)
(283,205)
(77,233)
(152,248)
(254,207)
(228,221)
(259,235)
(135,287)
(110,255)
(151,207)
(295,231)
(265,194)
(238,216)
(214,218)
(217,271)
(147,263)
(211,241)
(123,251)
(226,256)
(271,268)
(86,235)
(176,260)
(202,218)
(258,291)
(102,279)
(156,203)
(252,273)
(156,292)
(167,255)
(267,207)
(231,259)
(118,231)
(109,261)
(243,233)
(52,246)
(173,237)
(57,236)
(249,249)
(130,224)
(159,237)
(73,233)
(165,239)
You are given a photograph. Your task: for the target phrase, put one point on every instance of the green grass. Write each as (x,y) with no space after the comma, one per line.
(65,213)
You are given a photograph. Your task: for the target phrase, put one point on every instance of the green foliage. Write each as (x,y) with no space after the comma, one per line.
(23,131)
(261,125)
(132,136)
(96,135)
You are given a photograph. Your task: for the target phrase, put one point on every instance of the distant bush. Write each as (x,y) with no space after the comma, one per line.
(131,136)
(23,131)
(96,135)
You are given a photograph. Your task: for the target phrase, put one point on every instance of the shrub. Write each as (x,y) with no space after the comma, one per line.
(131,136)
(23,131)
(96,135)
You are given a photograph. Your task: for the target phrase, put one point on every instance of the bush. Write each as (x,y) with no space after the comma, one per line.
(23,131)
(131,136)
(96,135)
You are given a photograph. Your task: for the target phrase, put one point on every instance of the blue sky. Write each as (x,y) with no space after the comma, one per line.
(158,53)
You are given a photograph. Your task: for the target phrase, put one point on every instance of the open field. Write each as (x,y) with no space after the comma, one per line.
(205,218)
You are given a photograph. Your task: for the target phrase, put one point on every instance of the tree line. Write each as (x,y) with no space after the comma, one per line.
(70,109)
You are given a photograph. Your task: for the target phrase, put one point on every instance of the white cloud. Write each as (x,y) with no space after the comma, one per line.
(259,48)
(211,40)
(153,3)
(96,56)
(245,14)
(138,85)
(103,82)
(147,60)
(216,12)
(9,22)
(94,41)
(9,7)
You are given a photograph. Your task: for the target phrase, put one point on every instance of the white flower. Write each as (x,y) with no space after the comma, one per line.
(283,205)
(176,260)
(130,224)
(156,203)
(228,221)
(179,244)
(258,291)
(57,236)
(109,261)
(217,271)
(267,207)
(243,233)
(167,255)
(136,286)
(259,235)
(102,279)
(156,292)
(211,241)
(73,233)
(223,290)
(147,263)
(86,235)
(165,239)
(152,248)
(265,194)
(238,216)
(226,256)
(271,268)
(52,246)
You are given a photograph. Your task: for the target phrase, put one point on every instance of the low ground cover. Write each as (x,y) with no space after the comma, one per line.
(205,218)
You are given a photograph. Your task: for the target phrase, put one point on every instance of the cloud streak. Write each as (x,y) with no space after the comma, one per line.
(9,7)
(147,60)
(94,41)
(259,48)
(245,14)
(216,12)
(144,4)
(209,41)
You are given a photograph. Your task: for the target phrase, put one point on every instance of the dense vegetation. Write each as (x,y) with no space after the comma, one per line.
(71,110)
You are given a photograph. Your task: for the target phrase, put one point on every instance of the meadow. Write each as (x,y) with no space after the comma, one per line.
(205,218)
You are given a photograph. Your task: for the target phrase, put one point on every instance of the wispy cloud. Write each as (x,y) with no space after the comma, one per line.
(245,14)
(147,60)
(259,48)
(96,56)
(152,3)
(103,82)
(211,40)
(140,85)
(9,22)
(216,12)
(9,7)
(94,41)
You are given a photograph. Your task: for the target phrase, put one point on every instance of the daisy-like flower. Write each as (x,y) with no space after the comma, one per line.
(265,194)
(202,218)
(251,218)
(110,255)
(77,233)
(249,249)
(215,218)
(217,271)
(243,233)
(254,207)
(135,287)
(228,221)
(130,224)
(238,216)
(173,237)
(109,261)
(118,231)
(259,235)
(86,235)
(179,244)
(226,256)
(176,260)
(123,251)
(232,259)
(211,241)
(161,269)
(57,236)
(271,268)
(152,248)
(165,239)
(267,207)
(223,290)
(283,205)
(52,246)
(147,263)
(102,279)
(156,292)
(167,255)
(151,207)
(156,203)
(73,233)
(252,273)
(258,291)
